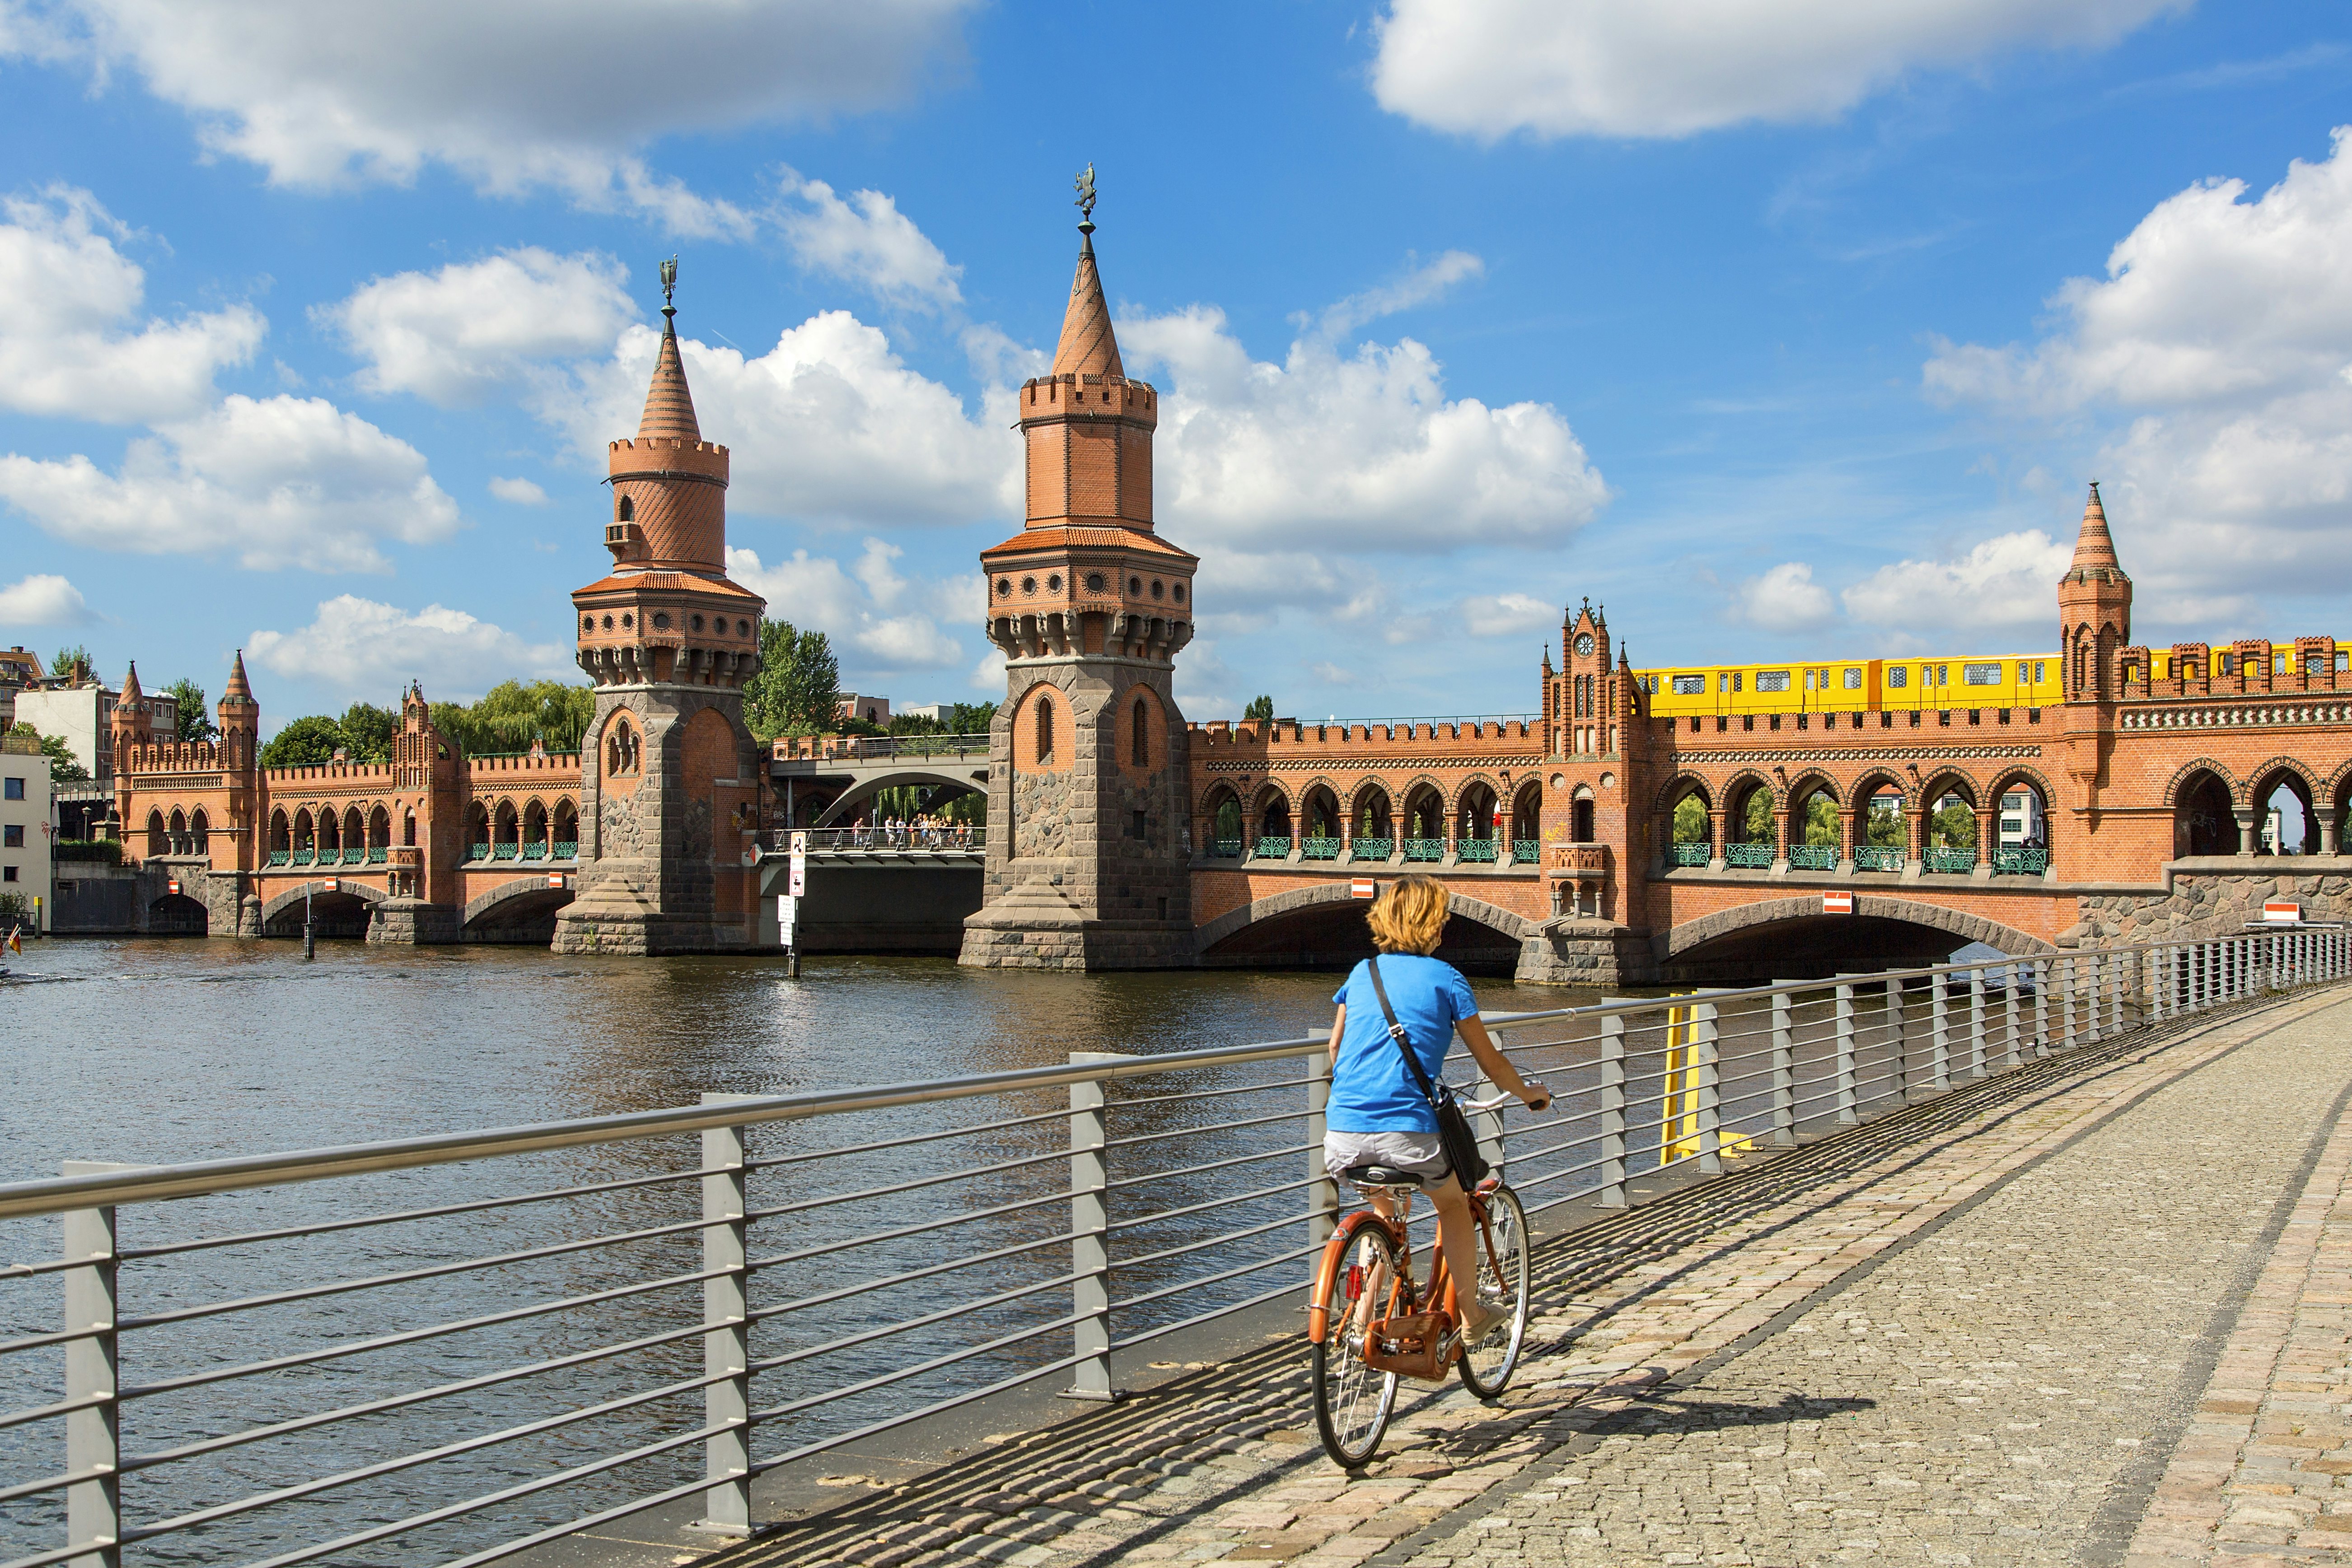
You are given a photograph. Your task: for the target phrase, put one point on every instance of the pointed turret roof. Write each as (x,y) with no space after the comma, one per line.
(2094,546)
(1088,347)
(131,691)
(669,405)
(238,691)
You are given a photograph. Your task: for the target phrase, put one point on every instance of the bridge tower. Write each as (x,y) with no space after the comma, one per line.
(1087,759)
(2095,600)
(669,776)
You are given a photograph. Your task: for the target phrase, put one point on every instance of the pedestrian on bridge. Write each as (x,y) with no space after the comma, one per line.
(1378,1113)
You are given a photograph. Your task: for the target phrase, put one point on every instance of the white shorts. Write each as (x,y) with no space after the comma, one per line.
(1420,1153)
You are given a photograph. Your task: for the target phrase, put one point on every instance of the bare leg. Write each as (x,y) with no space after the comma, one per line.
(1458,1237)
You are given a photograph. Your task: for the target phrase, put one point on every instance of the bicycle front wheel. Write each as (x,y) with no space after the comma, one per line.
(1502,1283)
(1352,1402)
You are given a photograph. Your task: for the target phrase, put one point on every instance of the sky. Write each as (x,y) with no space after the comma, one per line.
(1783,331)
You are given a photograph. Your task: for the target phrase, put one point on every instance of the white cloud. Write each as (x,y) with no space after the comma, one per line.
(2209,366)
(360,647)
(1785,598)
(1506,614)
(43,599)
(2008,583)
(866,241)
(867,609)
(74,345)
(458,335)
(829,426)
(1357,452)
(280,481)
(1419,286)
(1672,67)
(519,492)
(511,97)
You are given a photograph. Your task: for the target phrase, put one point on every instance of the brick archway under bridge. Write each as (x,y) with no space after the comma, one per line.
(1321,925)
(1787,935)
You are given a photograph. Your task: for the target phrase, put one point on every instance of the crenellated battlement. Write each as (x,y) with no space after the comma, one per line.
(1063,396)
(1291,733)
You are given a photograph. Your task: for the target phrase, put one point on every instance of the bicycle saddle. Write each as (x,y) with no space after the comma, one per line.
(1380,1175)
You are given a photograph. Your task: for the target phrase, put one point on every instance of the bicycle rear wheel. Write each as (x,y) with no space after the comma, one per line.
(1352,1402)
(1502,1280)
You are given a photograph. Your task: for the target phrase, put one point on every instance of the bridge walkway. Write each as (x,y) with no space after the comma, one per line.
(2023,1323)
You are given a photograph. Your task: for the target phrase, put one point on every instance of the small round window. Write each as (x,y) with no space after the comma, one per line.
(1028,585)
(1094,583)
(1156,590)
(1054,583)
(1134,585)
(587,623)
(627,619)
(697,623)
(608,624)
(661,622)
(742,628)
(1177,592)
(1004,586)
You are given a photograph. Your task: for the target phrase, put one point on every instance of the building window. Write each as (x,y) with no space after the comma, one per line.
(16,789)
(7,873)
(1142,735)
(11,837)
(626,511)
(1045,730)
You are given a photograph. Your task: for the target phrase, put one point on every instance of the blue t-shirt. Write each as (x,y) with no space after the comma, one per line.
(1370,1089)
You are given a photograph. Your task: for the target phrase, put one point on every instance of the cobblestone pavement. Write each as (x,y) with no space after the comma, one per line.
(1969,1333)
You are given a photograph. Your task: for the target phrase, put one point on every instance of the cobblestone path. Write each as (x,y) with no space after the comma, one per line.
(1971,1332)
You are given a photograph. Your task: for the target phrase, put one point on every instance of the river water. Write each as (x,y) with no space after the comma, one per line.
(154,1051)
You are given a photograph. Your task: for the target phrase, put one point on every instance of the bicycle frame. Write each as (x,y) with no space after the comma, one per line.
(1438,1295)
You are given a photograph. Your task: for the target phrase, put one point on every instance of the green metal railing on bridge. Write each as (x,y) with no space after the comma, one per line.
(1690,854)
(1374,849)
(1318,848)
(1751,856)
(1424,850)
(1271,847)
(1474,851)
(2019,862)
(1878,857)
(1951,861)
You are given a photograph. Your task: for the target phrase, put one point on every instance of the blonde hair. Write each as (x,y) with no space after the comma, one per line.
(1409,917)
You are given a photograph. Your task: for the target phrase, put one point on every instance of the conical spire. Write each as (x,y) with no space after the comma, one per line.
(1088,347)
(131,691)
(238,691)
(670,407)
(2094,546)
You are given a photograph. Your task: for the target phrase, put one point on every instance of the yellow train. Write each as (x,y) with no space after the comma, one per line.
(1855,686)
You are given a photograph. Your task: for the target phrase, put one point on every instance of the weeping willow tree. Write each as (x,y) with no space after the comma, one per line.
(512,716)
(1690,821)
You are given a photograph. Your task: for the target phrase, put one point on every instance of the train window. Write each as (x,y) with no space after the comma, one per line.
(2024,671)
(1899,675)
(1809,680)
(1772,680)
(1853,680)
(2280,666)
(1689,686)
(2037,672)
(1980,675)
(1943,674)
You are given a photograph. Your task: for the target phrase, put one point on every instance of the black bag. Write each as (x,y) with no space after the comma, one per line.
(1454,1133)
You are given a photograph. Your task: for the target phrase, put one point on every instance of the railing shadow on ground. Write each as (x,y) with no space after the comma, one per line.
(516,1333)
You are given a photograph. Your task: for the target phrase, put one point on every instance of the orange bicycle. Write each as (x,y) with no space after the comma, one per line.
(1368,1325)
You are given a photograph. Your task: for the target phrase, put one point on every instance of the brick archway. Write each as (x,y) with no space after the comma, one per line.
(1233,921)
(1767,912)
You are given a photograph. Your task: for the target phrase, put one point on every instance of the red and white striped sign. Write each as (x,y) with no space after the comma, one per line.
(1363,887)
(2283,912)
(173,885)
(1837,903)
(555,879)
(334,884)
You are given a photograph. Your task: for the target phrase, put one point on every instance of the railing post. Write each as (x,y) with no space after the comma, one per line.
(1897,1038)
(1846,1094)
(93,1436)
(2041,1008)
(2013,995)
(1784,1072)
(2119,984)
(1706,1065)
(1939,1033)
(1090,1233)
(725,1331)
(1487,1124)
(2092,1031)
(1612,1109)
(1975,1023)
(2160,971)
(1322,1192)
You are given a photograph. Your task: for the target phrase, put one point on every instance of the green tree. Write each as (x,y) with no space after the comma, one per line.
(1955,824)
(1260,711)
(63,665)
(972,718)
(1821,820)
(367,732)
(63,769)
(798,688)
(916,724)
(1756,821)
(307,742)
(1690,821)
(1883,825)
(195,718)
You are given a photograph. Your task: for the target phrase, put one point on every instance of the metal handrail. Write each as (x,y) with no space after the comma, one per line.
(1144,1251)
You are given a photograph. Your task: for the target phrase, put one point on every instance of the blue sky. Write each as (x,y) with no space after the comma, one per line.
(1781,330)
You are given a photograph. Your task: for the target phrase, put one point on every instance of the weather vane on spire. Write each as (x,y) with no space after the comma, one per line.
(1085,202)
(669,287)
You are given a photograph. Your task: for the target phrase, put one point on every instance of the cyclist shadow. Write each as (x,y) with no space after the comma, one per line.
(1682,1410)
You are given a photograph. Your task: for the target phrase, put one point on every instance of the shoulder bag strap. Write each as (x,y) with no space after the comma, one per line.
(1396,1033)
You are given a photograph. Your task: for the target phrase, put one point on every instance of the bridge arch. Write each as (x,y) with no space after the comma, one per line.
(1946,782)
(1791,938)
(846,804)
(520,910)
(1671,793)
(1322,926)
(2288,775)
(342,911)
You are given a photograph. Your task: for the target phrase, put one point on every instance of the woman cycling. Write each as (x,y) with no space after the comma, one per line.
(1377,1114)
